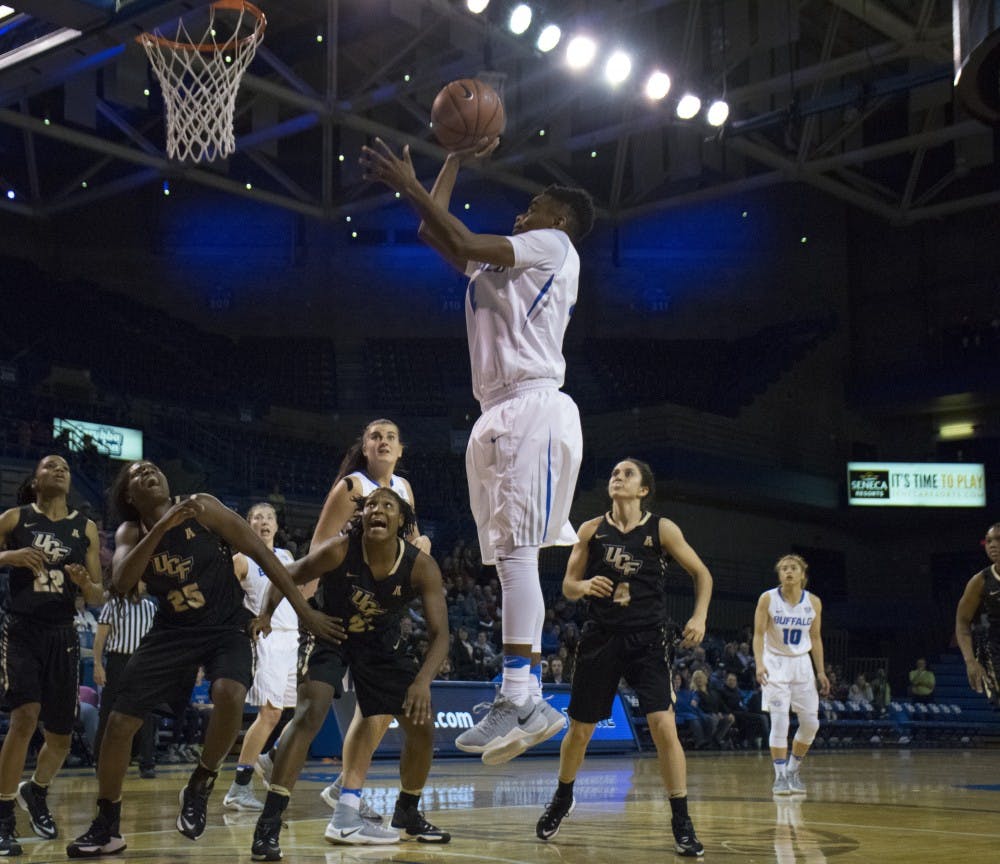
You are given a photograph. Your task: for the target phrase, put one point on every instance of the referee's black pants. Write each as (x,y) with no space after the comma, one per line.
(145,741)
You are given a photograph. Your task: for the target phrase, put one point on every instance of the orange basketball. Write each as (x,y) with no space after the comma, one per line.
(465,111)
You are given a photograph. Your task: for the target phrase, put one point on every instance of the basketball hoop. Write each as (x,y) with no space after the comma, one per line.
(199,78)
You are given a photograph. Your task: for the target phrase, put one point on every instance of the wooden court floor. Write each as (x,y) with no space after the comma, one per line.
(882,806)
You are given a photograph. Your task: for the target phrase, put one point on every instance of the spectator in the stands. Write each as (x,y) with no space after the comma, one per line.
(922,682)
(860,690)
(751,726)
(711,703)
(689,716)
(881,692)
(554,674)
(463,662)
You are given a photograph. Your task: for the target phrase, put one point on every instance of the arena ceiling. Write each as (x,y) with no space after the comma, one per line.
(852,97)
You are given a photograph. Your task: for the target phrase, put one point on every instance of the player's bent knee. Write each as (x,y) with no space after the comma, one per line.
(808,727)
(228,692)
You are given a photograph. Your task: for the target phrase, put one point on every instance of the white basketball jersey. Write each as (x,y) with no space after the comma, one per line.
(788,631)
(368,485)
(256,585)
(516,317)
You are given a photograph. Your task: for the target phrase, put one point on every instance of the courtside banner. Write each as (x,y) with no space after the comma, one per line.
(916,484)
(452,706)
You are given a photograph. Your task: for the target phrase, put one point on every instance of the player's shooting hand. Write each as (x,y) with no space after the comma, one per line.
(417,704)
(381,164)
(179,513)
(599,586)
(824,684)
(762,675)
(694,632)
(482,149)
(78,574)
(976,673)
(28,558)
(324,626)
(260,627)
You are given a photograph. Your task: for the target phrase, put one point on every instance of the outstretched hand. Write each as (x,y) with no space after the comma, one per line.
(482,149)
(381,164)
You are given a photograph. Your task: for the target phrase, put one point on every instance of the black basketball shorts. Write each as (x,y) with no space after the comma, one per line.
(381,674)
(40,663)
(604,657)
(165,665)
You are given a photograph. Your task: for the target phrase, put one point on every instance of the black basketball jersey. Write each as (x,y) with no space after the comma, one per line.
(635,563)
(191,575)
(47,597)
(370,607)
(990,603)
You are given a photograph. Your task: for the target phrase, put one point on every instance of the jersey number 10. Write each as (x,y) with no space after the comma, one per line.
(792,637)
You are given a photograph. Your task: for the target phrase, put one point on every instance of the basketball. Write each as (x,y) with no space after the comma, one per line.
(465,111)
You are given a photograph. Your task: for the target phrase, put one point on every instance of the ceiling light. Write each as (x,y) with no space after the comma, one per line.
(520,19)
(718,112)
(548,38)
(476,6)
(580,52)
(658,85)
(689,106)
(618,67)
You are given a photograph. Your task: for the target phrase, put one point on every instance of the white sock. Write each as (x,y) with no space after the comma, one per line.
(517,679)
(351,797)
(779,768)
(794,762)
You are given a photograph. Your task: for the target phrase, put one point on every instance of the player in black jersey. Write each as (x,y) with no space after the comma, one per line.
(53,554)
(619,565)
(368,578)
(982,596)
(183,550)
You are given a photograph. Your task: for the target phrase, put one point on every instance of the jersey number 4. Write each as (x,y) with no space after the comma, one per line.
(792,637)
(186,597)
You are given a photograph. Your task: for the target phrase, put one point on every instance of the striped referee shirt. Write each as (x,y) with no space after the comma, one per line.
(128,621)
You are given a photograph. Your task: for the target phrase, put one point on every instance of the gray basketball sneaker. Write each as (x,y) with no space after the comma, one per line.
(241,798)
(555,722)
(347,826)
(331,795)
(795,784)
(780,786)
(505,725)
(264,766)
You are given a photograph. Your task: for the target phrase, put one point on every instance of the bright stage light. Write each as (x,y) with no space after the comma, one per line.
(718,112)
(548,38)
(580,52)
(618,67)
(476,6)
(658,85)
(689,106)
(520,19)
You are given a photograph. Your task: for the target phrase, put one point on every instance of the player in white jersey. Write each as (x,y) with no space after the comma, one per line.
(524,452)
(274,682)
(786,645)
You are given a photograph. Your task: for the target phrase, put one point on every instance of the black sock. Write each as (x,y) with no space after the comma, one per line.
(679,807)
(110,810)
(406,800)
(202,780)
(243,775)
(6,807)
(274,804)
(565,790)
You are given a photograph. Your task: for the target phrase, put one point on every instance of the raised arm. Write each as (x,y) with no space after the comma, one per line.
(421,541)
(816,652)
(673,543)
(132,553)
(451,237)
(338,508)
(427,580)
(574,586)
(968,606)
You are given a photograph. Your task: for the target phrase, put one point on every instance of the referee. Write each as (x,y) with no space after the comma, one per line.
(122,624)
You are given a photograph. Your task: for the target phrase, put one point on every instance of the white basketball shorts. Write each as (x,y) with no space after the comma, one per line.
(274,681)
(791,684)
(522,462)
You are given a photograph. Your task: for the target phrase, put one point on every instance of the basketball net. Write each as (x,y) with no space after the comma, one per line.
(199,78)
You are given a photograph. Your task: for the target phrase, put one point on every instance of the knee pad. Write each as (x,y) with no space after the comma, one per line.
(779,729)
(808,727)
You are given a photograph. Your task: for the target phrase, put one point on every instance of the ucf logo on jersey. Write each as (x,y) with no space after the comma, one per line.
(618,558)
(368,609)
(173,566)
(50,546)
